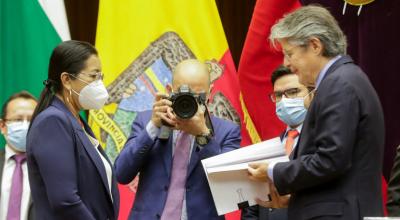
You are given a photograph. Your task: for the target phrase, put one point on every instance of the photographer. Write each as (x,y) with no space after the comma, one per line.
(172,182)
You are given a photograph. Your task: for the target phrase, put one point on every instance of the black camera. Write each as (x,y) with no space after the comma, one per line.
(185,103)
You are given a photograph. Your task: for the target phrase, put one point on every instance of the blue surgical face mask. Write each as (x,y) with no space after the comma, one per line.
(16,135)
(291,111)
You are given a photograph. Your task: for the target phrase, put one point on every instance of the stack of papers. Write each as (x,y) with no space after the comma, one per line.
(228,177)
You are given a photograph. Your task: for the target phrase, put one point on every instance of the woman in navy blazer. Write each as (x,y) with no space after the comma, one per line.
(69,173)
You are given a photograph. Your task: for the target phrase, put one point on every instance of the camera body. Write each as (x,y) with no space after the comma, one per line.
(185,102)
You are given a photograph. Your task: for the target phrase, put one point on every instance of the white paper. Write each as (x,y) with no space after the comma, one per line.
(228,178)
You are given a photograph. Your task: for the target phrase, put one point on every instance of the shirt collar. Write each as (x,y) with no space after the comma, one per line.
(9,153)
(322,74)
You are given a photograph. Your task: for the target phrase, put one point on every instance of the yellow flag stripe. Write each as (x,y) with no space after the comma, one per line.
(250,127)
(153,78)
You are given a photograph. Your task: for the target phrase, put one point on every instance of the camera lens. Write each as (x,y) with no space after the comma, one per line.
(185,106)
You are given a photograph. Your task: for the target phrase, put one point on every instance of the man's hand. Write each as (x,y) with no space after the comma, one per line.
(277,201)
(195,125)
(258,172)
(162,110)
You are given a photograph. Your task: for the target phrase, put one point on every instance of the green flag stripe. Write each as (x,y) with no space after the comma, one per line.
(26,41)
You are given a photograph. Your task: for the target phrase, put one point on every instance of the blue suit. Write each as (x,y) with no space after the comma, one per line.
(67,176)
(335,169)
(153,159)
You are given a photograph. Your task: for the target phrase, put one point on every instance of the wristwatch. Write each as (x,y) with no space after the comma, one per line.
(203,139)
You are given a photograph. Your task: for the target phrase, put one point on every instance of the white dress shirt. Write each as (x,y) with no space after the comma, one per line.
(8,170)
(107,165)
(153,132)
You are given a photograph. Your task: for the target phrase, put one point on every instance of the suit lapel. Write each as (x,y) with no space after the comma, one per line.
(293,154)
(88,146)
(202,152)
(343,60)
(282,135)
(167,153)
(114,190)
(2,159)
(94,156)
(195,157)
(304,131)
(115,193)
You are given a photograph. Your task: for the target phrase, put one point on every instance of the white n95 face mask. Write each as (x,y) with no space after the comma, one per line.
(93,96)
(16,135)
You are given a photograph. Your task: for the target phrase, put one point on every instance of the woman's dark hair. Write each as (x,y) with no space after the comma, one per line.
(69,56)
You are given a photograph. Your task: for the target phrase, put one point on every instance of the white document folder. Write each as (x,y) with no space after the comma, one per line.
(228,178)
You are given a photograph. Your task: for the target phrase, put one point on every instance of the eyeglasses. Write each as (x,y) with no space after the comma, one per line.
(94,76)
(14,120)
(311,89)
(289,93)
(288,54)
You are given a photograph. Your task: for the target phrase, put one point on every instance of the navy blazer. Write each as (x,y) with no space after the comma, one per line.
(153,159)
(335,171)
(66,174)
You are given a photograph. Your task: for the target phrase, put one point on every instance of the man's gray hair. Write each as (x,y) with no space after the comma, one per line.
(306,22)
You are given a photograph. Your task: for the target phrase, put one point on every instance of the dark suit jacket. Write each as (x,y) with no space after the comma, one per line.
(153,159)
(31,211)
(335,171)
(67,176)
(261,213)
(393,202)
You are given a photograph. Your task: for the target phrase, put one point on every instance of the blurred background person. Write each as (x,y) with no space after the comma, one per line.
(70,175)
(15,193)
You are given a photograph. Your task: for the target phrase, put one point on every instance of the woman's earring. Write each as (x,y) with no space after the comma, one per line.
(70,95)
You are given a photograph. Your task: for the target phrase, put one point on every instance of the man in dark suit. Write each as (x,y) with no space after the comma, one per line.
(172,182)
(289,96)
(15,194)
(393,190)
(335,170)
